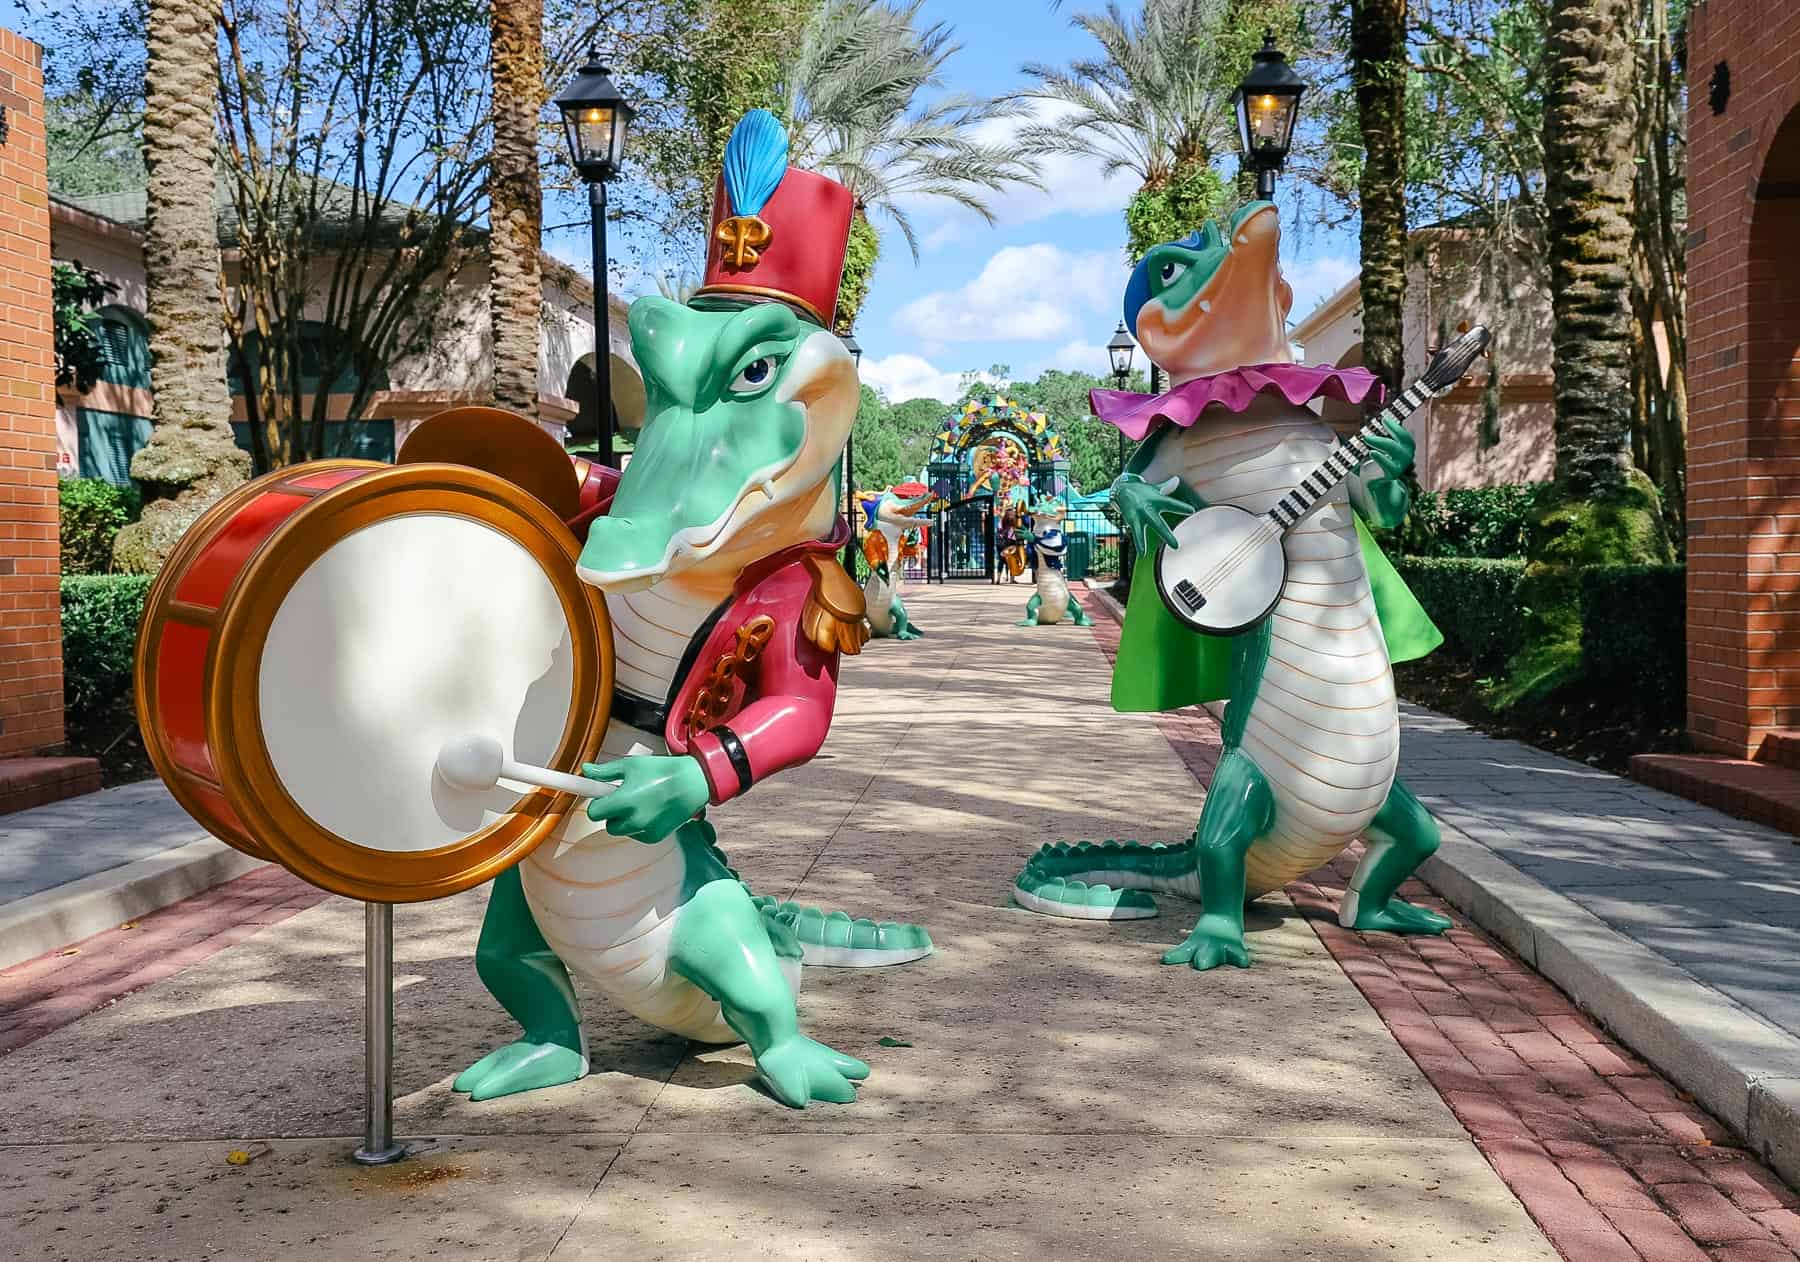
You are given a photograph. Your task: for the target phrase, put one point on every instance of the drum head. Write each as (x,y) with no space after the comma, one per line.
(410,608)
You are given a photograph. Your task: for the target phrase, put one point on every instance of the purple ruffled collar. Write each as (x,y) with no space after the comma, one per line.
(1136,414)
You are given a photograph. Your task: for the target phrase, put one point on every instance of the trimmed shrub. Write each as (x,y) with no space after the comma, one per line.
(91,512)
(1634,631)
(1489,521)
(100,616)
(1474,603)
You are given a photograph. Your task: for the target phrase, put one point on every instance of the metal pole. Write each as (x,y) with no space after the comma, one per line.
(378,1146)
(850,504)
(602,325)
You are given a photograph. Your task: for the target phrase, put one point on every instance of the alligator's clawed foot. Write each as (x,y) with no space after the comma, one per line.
(1400,916)
(520,1066)
(799,1071)
(1209,946)
(908,633)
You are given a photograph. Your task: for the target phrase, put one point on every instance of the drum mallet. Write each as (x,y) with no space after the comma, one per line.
(476,763)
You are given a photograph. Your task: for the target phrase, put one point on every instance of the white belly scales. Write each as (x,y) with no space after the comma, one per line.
(1324,728)
(878,598)
(1053,594)
(607,905)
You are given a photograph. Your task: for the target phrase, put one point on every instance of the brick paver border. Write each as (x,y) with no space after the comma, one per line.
(1610,1160)
(44,994)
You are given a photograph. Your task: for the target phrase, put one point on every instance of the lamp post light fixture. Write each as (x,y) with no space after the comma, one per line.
(595,118)
(1268,104)
(855,349)
(1120,350)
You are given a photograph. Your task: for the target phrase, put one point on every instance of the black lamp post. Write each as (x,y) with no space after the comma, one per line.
(596,116)
(1119,350)
(1268,103)
(855,349)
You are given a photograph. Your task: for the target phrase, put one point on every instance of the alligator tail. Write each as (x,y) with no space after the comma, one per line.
(836,940)
(1110,880)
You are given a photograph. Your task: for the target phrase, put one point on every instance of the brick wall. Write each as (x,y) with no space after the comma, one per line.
(1744,380)
(31,701)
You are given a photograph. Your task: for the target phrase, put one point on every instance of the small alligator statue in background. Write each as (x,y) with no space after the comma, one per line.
(890,517)
(1053,601)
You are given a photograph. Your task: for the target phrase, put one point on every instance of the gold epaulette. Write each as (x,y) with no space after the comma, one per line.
(834,616)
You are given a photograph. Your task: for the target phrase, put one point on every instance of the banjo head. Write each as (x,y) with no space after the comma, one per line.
(393,613)
(1227,573)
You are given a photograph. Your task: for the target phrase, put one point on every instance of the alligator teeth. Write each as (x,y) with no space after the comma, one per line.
(1243,238)
(1205,305)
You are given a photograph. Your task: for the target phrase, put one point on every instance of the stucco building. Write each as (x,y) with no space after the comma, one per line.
(98,432)
(1483,433)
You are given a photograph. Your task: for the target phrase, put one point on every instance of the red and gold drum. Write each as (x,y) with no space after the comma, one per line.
(321,633)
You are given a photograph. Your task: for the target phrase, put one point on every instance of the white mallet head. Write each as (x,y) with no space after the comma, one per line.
(471,763)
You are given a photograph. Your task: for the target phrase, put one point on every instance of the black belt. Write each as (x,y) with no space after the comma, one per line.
(639,712)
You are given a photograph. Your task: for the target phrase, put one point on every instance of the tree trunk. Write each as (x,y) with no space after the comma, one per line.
(516,197)
(1589,139)
(191,458)
(1378,69)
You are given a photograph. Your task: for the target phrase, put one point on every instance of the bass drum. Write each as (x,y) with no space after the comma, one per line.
(319,635)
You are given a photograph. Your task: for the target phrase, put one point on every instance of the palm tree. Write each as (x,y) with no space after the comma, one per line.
(516,202)
(850,99)
(191,458)
(1378,71)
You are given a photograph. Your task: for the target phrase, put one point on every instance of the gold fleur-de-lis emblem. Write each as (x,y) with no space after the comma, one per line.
(745,236)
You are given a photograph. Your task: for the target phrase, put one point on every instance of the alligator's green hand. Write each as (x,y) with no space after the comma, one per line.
(1141,506)
(1392,453)
(799,1071)
(656,795)
(1210,945)
(520,1066)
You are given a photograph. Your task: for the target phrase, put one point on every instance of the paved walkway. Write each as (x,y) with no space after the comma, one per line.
(53,845)
(1056,1094)
(1718,896)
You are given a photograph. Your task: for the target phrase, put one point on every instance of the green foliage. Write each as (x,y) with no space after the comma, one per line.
(1634,631)
(95,145)
(1491,521)
(74,293)
(861,254)
(1170,210)
(1473,601)
(91,511)
(893,442)
(100,616)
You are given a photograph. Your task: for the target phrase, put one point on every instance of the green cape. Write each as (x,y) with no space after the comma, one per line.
(1163,666)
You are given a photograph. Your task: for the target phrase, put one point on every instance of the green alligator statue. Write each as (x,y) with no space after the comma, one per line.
(1311,728)
(729,610)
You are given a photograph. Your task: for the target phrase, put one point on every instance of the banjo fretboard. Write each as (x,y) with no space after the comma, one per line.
(1350,453)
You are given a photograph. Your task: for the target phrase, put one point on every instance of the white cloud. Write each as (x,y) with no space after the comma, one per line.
(1316,279)
(1024,293)
(900,377)
(1076,356)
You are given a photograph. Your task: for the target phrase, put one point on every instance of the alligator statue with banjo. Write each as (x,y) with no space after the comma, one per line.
(1268,592)
(383,676)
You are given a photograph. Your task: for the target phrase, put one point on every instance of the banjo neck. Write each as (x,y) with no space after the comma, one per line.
(1316,485)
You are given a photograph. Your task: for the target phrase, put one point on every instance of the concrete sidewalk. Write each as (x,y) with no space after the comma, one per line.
(80,866)
(1061,1094)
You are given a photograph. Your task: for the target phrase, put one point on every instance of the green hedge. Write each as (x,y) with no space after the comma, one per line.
(1634,630)
(1474,603)
(92,511)
(100,616)
(1488,521)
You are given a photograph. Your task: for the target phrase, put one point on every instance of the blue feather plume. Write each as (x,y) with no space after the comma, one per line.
(756,157)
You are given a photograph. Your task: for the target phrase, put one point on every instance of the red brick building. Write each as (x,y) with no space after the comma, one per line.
(31,689)
(1743,497)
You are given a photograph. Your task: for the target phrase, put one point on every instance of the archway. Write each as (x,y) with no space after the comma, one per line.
(628,401)
(113,419)
(984,452)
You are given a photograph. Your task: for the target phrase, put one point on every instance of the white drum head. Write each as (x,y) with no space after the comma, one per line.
(404,634)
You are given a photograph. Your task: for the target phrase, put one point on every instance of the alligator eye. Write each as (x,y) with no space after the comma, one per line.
(1171,271)
(756,376)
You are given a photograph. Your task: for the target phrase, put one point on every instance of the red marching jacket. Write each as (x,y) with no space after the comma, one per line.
(757,685)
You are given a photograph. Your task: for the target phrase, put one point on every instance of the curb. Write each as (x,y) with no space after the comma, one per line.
(1740,1068)
(53,918)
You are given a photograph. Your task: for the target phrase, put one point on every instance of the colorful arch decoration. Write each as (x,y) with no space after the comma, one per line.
(995,417)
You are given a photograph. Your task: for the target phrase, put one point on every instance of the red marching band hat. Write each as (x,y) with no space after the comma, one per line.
(777,232)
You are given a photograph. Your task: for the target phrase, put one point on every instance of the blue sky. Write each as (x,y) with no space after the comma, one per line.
(1041,289)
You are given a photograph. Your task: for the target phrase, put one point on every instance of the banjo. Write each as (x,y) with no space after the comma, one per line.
(1227,574)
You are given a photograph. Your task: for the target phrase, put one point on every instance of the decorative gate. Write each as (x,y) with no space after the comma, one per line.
(962,542)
